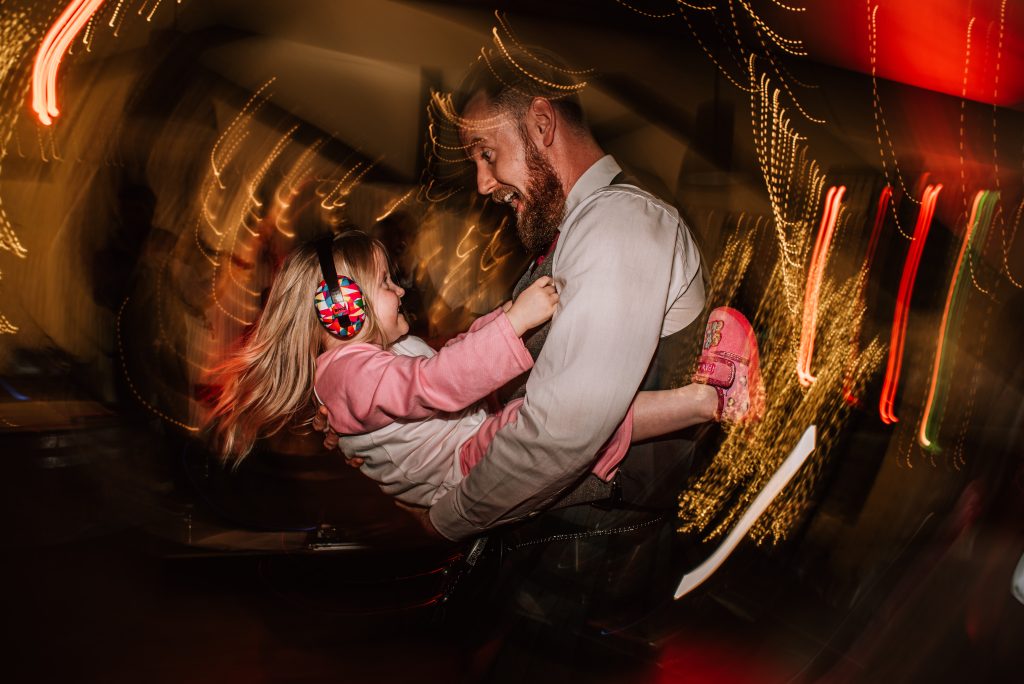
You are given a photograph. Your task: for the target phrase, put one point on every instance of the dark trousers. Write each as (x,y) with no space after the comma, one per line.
(604,565)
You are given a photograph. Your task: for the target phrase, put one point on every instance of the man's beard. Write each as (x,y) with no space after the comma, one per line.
(544,206)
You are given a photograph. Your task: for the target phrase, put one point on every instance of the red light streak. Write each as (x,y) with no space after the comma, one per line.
(55,44)
(814,277)
(899,322)
(876,230)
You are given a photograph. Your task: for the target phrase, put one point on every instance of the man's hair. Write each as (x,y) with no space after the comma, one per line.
(511,76)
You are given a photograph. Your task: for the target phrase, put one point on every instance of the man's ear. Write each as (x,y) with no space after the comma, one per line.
(541,121)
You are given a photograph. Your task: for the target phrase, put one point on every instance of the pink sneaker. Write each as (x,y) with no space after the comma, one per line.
(729,363)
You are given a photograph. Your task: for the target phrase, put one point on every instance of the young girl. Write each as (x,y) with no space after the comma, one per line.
(411,413)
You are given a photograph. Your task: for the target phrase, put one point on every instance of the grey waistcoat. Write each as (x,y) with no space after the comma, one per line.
(651,473)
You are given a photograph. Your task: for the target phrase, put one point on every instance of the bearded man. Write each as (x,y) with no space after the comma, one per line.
(577,550)
(631,292)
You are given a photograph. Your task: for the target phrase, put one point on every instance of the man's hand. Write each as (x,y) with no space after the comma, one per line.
(422,517)
(321,424)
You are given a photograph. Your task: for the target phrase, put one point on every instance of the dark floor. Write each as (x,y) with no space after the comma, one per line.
(128,559)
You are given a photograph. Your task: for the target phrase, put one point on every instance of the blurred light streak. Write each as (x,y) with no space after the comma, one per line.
(394,205)
(117,21)
(447,171)
(199,244)
(793,46)
(652,15)
(956,298)
(152,11)
(90,31)
(224,151)
(47,63)
(995,145)
(963,171)
(117,13)
(906,289)
(15,394)
(460,262)
(163,337)
(268,161)
(1008,243)
(458,277)
(511,36)
(881,127)
(749,455)
(778,481)
(489,258)
(883,200)
(20,28)
(714,60)
(794,182)
(789,8)
(236,131)
(302,170)
(334,198)
(761,29)
(131,385)
(963,115)
(815,272)
(6,327)
(778,69)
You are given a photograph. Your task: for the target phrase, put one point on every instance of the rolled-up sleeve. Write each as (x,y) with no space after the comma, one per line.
(614,270)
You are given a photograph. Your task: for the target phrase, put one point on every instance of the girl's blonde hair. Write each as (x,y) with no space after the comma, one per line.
(268,382)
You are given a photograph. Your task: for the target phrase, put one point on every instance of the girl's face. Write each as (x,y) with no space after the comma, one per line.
(387,300)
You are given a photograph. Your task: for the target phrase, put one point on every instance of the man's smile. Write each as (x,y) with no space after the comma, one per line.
(508,196)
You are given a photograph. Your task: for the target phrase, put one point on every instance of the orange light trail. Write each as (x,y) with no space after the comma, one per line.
(899,322)
(981,218)
(814,276)
(55,44)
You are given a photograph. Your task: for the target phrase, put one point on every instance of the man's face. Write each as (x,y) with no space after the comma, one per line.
(511,170)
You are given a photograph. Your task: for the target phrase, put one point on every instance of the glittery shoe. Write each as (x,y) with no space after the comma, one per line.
(729,363)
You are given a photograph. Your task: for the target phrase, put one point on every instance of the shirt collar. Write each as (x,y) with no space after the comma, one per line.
(597,176)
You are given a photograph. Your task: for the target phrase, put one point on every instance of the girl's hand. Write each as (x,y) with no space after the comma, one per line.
(534,306)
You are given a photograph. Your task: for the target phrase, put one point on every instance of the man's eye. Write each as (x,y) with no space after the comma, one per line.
(487,155)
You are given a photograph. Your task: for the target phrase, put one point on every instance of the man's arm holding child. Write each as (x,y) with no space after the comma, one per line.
(615,267)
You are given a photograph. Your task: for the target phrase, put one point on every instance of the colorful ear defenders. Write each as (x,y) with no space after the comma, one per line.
(340,308)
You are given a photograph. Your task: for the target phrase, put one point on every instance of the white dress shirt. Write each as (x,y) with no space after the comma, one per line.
(628,273)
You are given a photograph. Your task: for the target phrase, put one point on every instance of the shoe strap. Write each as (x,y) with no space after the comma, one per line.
(715,370)
(722,354)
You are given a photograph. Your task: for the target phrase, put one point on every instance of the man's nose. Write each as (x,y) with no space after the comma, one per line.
(485,181)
